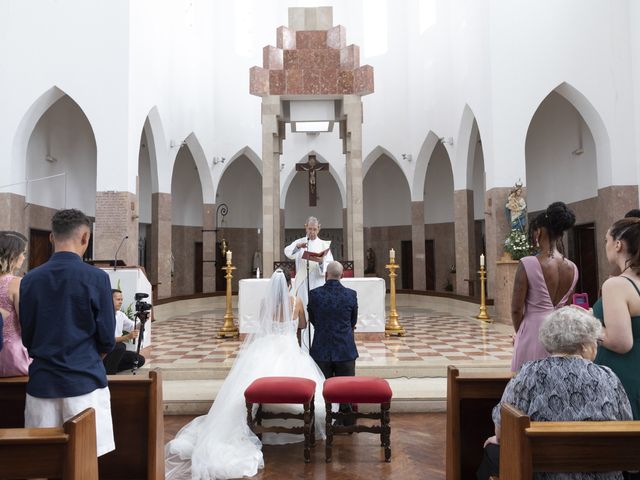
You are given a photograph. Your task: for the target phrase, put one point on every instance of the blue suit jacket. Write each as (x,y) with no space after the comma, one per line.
(333,311)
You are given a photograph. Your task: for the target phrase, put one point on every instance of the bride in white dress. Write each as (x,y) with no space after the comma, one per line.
(220,445)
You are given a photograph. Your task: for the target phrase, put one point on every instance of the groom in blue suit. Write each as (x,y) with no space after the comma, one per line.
(333,312)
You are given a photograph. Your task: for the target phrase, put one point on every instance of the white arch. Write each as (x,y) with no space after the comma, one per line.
(374,155)
(25,129)
(158,155)
(243,152)
(194,146)
(422,162)
(284,186)
(468,135)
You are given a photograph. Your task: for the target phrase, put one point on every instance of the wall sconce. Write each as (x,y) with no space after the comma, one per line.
(578,151)
(50,158)
(281,166)
(447,140)
(217,160)
(407,156)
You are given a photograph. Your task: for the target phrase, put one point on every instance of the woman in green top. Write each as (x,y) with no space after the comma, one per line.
(619,309)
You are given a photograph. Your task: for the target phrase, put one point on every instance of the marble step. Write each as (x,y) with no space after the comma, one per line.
(194,397)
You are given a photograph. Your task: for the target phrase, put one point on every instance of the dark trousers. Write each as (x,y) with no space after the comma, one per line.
(490,465)
(339,369)
(121,359)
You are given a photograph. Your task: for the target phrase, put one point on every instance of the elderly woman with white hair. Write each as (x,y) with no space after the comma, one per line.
(566,386)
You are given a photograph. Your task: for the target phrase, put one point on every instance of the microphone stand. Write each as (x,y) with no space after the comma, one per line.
(115,260)
(308,289)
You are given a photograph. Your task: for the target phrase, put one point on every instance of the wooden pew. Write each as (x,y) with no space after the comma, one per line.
(527,447)
(470,399)
(67,452)
(138,423)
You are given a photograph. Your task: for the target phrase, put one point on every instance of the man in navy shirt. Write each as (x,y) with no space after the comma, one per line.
(67,320)
(333,312)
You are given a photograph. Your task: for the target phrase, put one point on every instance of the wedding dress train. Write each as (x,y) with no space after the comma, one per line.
(220,445)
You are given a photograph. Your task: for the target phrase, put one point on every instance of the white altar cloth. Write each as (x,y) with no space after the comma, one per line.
(371,296)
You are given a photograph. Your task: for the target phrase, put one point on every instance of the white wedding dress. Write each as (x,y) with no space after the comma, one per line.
(220,445)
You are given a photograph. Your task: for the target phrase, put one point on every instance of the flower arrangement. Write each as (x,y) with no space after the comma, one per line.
(517,244)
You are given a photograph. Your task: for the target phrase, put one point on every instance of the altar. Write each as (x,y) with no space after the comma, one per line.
(371,296)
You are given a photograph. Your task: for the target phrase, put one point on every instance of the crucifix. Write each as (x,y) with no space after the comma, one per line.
(312,166)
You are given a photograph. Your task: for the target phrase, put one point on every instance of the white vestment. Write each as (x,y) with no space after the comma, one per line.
(316,274)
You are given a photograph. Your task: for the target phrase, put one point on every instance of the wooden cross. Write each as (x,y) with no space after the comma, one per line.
(312,166)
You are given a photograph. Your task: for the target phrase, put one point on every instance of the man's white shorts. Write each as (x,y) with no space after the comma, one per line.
(53,412)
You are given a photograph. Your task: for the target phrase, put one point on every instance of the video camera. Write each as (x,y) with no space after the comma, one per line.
(142,307)
(142,313)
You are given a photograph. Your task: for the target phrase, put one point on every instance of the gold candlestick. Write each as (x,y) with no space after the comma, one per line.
(483,315)
(228,329)
(393,326)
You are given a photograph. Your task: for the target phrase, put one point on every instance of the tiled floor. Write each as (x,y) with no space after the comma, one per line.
(434,337)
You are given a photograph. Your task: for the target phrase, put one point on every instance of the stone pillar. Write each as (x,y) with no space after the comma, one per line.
(13,215)
(116,216)
(505,278)
(272,135)
(279,255)
(352,146)
(613,202)
(496,229)
(345,236)
(160,268)
(417,242)
(464,239)
(208,248)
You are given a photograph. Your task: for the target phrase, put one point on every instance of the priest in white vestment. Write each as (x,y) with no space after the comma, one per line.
(295,251)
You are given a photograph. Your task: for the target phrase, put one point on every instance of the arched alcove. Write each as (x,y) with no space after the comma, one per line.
(61,159)
(240,188)
(387,214)
(560,150)
(186,232)
(439,222)
(328,210)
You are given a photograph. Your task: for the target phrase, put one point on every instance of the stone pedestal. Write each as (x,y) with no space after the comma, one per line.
(505,275)
(160,261)
(116,217)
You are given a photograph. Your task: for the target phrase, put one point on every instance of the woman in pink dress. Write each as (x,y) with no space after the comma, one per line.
(14,359)
(543,283)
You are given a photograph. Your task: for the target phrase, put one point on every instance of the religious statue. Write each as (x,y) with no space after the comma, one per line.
(516,208)
(371,261)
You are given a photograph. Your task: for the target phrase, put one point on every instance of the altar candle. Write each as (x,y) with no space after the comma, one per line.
(482,259)
(392,255)
(228,256)
(257,273)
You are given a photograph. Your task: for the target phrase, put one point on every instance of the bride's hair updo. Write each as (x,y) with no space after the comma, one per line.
(287,274)
(627,230)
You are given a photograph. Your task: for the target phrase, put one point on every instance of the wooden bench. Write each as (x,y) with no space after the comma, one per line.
(67,452)
(138,423)
(470,399)
(527,447)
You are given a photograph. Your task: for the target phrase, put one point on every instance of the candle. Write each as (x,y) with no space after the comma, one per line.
(228,256)
(257,273)
(482,259)
(392,255)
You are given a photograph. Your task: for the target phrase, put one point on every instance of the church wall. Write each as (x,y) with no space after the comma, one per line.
(478,183)
(329,208)
(438,188)
(443,236)
(64,136)
(556,131)
(382,239)
(243,242)
(386,197)
(183,240)
(144,183)
(186,192)
(241,189)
